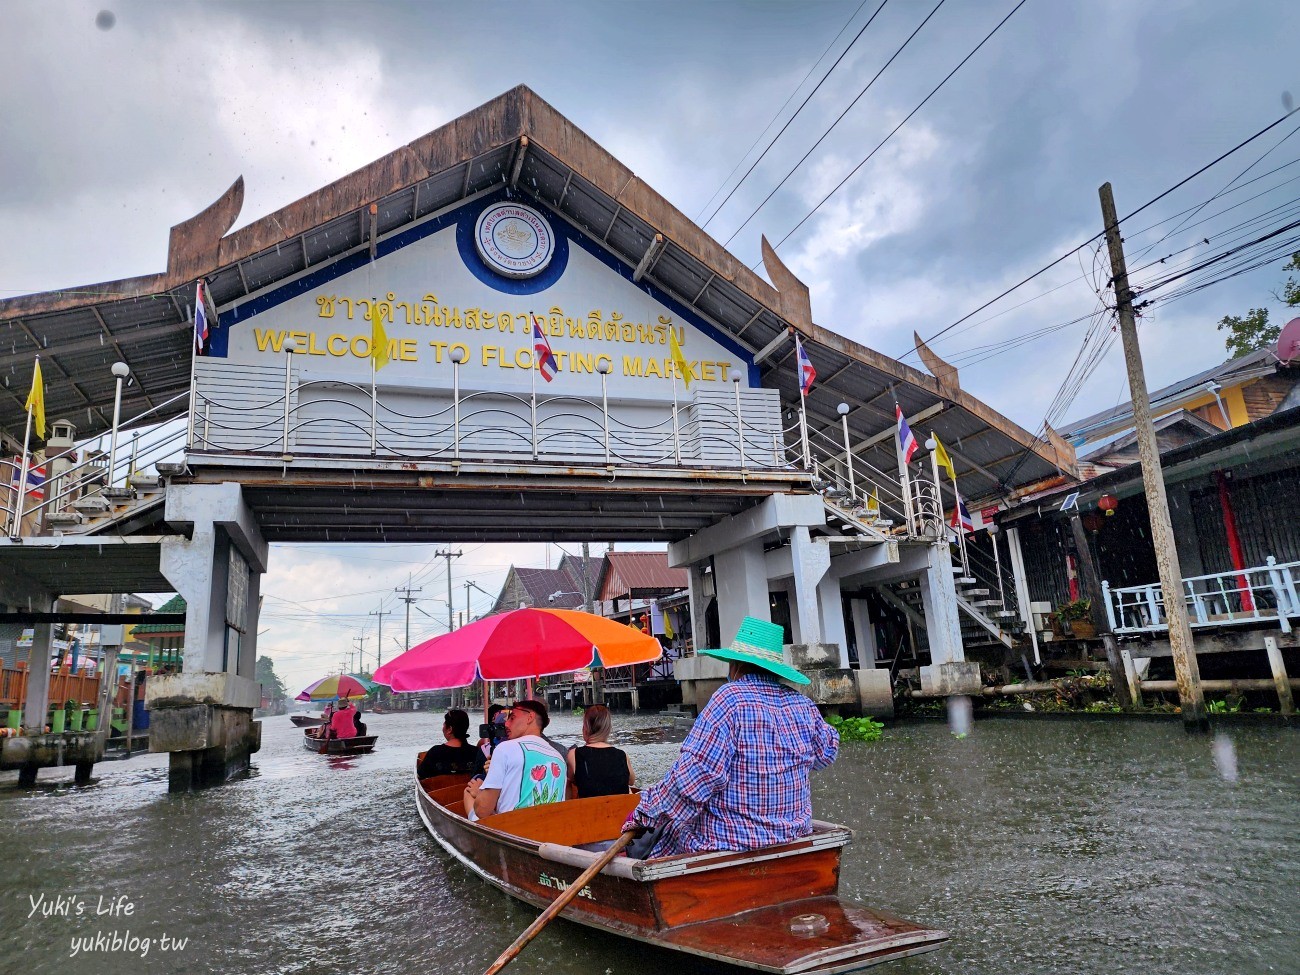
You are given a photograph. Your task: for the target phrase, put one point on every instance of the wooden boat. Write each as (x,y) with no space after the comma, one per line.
(771,910)
(338,746)
(306,720)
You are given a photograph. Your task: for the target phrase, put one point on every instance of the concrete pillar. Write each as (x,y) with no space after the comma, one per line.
(810,562)
(38,676)
(830,603)
(939,595)
(699,601)
(740,578)
(866,633)
(203,716)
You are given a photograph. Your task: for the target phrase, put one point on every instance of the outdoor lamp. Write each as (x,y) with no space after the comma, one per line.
(931,443)
(458,356)
(603,367)
(1108,503)
(735,375)
(842,409)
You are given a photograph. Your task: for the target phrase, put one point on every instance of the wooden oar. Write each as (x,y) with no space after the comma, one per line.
(560,903)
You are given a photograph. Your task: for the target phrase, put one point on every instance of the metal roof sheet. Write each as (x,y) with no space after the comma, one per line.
(146,321)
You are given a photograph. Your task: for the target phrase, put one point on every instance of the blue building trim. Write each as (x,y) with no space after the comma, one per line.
(463,219)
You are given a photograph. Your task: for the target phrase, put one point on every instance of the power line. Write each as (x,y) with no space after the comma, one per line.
(1095,237)
(837,121)
(895,129)
(791,119)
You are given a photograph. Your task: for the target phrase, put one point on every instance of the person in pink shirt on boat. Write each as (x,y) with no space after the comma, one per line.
(525,769)
(343,723)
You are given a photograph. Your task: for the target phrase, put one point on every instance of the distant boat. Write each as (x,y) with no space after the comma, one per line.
(772,910)
(339,746)
(306,720)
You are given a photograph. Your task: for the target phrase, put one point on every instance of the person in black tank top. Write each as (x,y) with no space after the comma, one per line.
(598,768)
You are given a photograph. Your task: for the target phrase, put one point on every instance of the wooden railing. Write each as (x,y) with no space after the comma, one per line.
(81,687)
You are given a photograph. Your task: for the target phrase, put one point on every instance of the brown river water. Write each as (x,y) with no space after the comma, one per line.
(1047,847)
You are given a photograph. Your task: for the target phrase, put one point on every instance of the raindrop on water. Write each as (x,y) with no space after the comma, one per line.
(959,716)
(1225,757)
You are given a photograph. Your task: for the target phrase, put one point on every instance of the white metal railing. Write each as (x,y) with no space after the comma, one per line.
(732,429)
(1265,592)
(79,471)
(874,496)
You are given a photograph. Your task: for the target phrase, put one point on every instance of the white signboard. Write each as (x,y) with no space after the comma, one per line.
(477,281)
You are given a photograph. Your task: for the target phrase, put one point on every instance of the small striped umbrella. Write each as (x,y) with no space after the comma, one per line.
(337,687)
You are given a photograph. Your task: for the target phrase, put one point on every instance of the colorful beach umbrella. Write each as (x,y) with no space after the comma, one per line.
(518,644)
(336,687)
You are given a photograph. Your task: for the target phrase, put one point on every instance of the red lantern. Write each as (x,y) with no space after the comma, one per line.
(1108,503)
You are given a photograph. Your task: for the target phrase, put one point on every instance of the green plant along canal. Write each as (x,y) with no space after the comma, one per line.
(1069,846)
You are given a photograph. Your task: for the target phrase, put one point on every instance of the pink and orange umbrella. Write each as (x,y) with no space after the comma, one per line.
(518,644)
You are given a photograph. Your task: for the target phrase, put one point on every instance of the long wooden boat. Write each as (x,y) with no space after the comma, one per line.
(338,746)
(306,720)
(771,910)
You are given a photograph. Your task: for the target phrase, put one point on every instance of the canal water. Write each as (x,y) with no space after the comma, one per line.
(1046,847)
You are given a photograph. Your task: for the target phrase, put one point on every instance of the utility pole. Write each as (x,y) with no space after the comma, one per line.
(1187,672)
(359,650)
(408,598)
(449,555)
(586,580)
(379,653)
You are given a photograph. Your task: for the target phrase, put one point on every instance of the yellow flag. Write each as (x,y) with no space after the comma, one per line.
(873,502)
(35,404)
(668,625)
(942,458)
(378,337)
(679,360)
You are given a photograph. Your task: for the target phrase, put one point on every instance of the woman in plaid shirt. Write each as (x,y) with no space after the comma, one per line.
(741,780)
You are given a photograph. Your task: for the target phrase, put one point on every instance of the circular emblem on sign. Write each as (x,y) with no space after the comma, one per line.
(514,240)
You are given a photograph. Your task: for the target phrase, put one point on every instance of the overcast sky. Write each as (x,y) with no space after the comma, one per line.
(118,125)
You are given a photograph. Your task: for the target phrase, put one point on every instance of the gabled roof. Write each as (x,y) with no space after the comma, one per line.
(640,574)
(1252,365)
(541,584)
(520,141)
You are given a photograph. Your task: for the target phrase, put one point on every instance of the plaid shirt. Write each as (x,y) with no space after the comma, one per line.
(741,780)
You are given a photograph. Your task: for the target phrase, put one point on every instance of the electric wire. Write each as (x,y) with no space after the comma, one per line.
(837,121)
(895,129)
(802,105)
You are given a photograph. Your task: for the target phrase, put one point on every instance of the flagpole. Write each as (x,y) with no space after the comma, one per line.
(934,464)
(904,478)
(22,480)
(194,404)
(532,391)
(374,397)
(961,528)
(677,440)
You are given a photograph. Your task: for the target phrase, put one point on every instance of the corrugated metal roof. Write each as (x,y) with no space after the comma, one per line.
(145,321)
(641,574)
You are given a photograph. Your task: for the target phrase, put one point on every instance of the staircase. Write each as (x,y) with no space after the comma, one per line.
(119,510)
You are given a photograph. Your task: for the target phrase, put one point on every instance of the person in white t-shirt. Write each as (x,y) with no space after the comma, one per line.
(525,770)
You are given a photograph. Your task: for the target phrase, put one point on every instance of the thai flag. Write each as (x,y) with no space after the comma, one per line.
(200,320)
(546,363)
(35,479)
(806,371)
(961,518)
(905,438)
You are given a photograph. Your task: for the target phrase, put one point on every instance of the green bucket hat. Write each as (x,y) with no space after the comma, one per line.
(759,642)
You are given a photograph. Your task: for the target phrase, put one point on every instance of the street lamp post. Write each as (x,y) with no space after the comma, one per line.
(120,371)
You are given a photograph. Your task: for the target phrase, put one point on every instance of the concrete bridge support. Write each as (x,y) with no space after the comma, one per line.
(203,716)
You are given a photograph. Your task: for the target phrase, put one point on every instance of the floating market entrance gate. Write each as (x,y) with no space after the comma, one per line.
(491,374)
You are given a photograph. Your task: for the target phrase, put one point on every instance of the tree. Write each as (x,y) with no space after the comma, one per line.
(271,683)
(1246,333)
